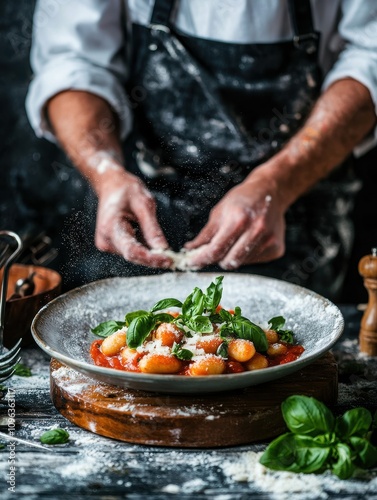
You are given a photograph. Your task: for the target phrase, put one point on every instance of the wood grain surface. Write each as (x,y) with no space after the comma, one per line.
(191,421)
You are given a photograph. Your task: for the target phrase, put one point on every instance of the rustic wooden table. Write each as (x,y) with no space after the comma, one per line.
(91,466)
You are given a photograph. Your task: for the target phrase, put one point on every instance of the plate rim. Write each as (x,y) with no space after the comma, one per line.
(140,377)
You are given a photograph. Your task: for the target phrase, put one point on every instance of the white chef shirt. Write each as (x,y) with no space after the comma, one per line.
(77,44)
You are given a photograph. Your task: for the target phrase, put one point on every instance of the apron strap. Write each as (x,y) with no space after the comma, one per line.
(305,37)
(161,12)
(301,16)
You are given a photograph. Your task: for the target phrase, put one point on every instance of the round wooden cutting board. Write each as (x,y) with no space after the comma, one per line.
(188,421)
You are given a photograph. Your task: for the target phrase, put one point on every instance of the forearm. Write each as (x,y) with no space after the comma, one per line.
(87,129)
(341,118)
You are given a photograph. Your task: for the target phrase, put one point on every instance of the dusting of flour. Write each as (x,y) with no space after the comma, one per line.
(283,485)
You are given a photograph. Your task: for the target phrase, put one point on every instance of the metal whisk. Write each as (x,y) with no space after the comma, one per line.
(8,358)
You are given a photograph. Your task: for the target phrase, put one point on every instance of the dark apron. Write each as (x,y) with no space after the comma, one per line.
(208,112)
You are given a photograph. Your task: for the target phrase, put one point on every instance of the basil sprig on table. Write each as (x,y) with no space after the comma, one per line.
(198,313)
(277,324)
(22,370)
(55,436)
(318,441)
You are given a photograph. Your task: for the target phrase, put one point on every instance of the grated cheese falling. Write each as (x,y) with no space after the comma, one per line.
(181,260)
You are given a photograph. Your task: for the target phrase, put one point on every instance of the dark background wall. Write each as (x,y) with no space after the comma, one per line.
(40,189)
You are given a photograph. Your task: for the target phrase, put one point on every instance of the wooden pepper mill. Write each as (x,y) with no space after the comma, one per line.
(368,330)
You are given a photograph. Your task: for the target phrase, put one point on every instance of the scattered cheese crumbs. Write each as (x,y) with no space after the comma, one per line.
(155,347)
(190,344)
(181,260)
(170,327)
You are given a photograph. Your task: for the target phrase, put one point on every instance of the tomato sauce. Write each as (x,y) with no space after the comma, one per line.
(293,353)
(232,366)
(110,361)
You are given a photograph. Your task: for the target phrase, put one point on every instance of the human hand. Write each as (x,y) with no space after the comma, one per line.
(247,226)
(123,202)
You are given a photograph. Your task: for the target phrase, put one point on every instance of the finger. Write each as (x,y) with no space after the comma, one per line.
(218,248)
(102,240)
(204,237)
(132,250)
(233,226)
(249,244)
(253,249)
(138,254)
(150,228)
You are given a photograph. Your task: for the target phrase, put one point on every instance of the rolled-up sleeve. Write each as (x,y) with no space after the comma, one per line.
(358,59)
(78,45)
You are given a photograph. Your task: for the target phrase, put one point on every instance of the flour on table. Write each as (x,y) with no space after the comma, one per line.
(282,485)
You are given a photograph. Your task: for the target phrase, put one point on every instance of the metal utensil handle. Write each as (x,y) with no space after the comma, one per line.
(4,284)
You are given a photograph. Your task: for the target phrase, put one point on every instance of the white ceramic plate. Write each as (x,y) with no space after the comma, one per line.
(62,327)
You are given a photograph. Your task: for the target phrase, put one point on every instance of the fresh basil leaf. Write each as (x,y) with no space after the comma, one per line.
(222,350)
(295,453)
(216,318)
(366,453)
(276,323)
(213,294)
(327,439)
(243,318)
(286,336)
(135,314)
(226,332)
(237,312)
(355,422)
(225,315)
(139,329)
(107,328)
(279,454)
(310,456)
(22,370)
(200,324)
(180,353)
(163,318)
(343,467)
(245,329)
(194,304)
(305,415)
(54,436)
(165,304)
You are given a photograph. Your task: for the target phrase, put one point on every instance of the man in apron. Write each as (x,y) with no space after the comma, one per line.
(232,152)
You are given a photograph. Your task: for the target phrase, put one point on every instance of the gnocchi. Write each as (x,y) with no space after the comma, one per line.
(203,339)
(160,363)
(207,365)
(113,344)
